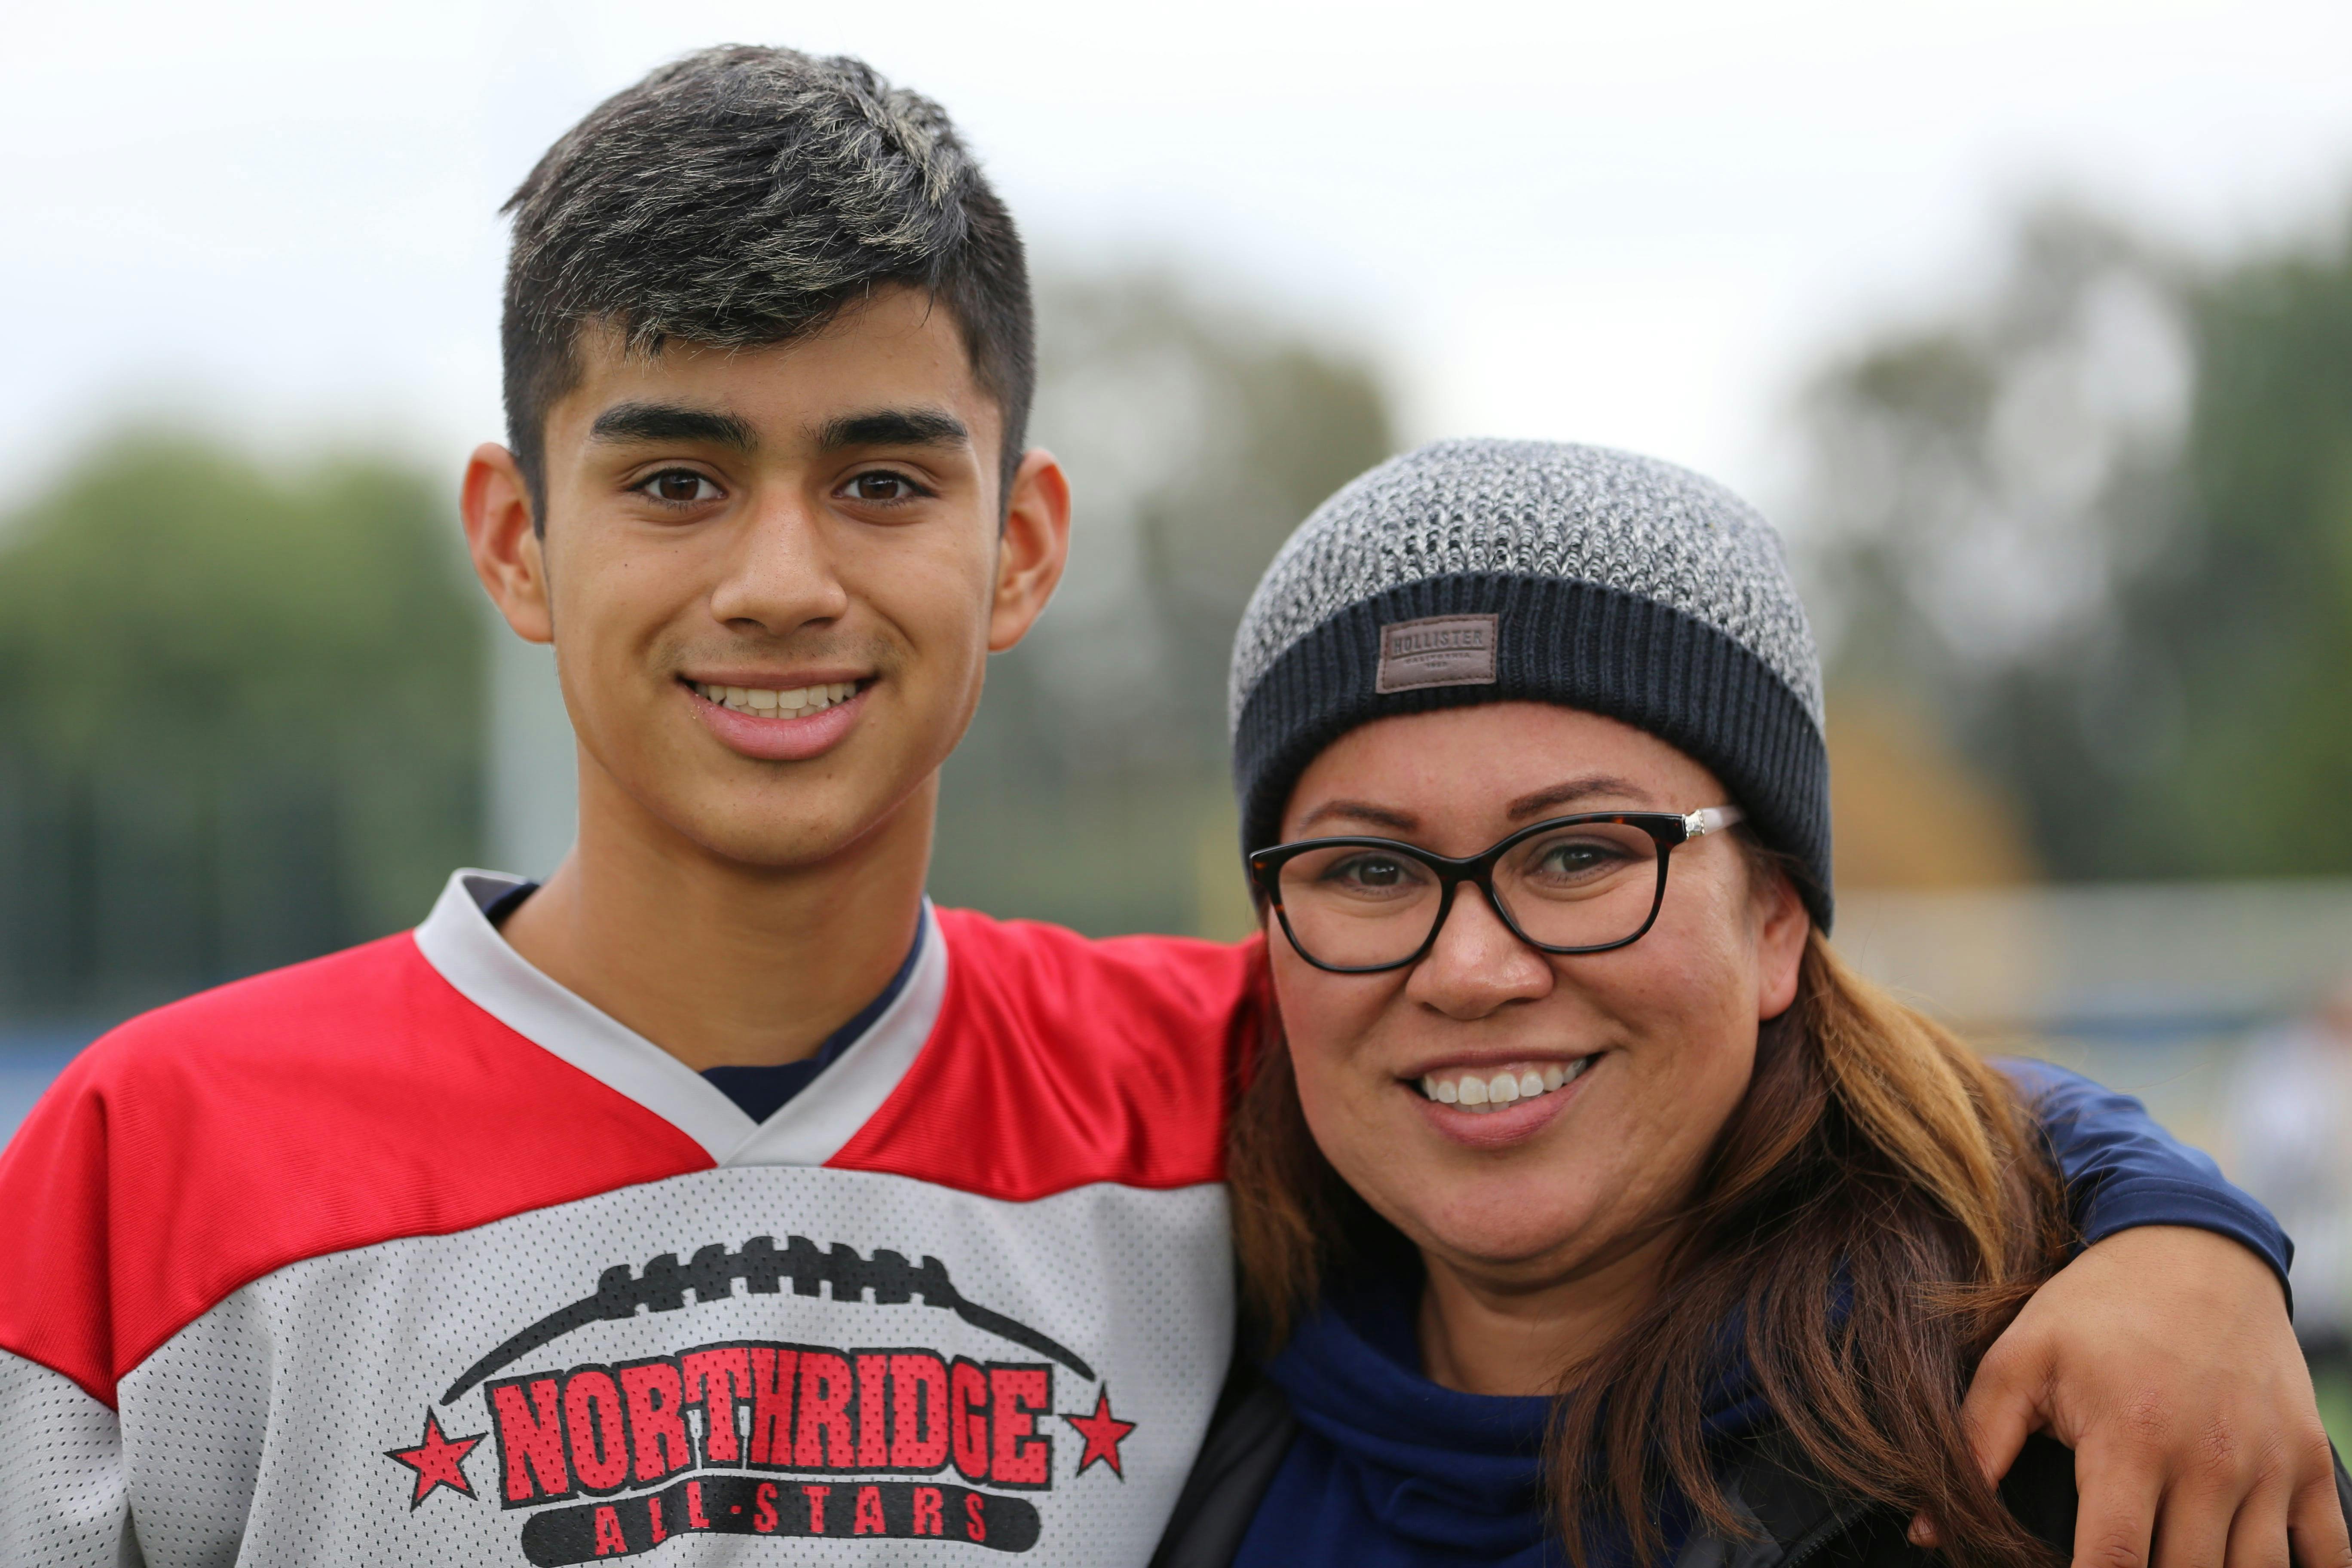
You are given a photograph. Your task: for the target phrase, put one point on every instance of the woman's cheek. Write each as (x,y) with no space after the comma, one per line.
(1333,1022)
(1345,1100)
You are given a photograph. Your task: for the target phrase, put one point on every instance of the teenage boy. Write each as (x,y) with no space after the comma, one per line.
(721,1187)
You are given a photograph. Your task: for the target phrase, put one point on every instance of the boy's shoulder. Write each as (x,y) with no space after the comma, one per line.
(362,1052)
(1132,988)
(346,1004)
(1060,1059)
(339,1103)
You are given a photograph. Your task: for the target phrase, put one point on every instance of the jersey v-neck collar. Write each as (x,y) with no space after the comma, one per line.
(458,941)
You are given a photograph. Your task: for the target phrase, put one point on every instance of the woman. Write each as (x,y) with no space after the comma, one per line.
(1592,1208)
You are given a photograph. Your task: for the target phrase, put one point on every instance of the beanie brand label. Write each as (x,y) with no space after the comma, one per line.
(1442,650)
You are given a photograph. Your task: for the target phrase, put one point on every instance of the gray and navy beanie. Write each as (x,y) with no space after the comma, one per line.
(1492,571)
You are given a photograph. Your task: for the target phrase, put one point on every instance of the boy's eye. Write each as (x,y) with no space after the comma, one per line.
(882,486)
(679,486)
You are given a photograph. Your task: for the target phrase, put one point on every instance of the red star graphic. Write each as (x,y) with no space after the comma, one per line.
(438,1461)
(1102,1431)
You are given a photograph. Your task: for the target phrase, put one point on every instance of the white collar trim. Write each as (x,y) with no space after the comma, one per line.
(458,941)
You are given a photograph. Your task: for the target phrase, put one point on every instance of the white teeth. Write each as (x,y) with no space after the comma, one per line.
(797,703)
(1479,1095)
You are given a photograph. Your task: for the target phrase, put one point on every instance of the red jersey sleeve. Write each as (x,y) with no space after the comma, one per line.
(1060,1060)
(337,1104)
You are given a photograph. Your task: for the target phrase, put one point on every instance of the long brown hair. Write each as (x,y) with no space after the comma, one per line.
(1876,1208)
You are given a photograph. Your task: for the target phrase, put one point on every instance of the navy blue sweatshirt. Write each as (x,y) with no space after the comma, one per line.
(1390,1470)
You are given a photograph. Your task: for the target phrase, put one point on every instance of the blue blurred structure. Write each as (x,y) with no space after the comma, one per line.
(29,1058)
(2151,988)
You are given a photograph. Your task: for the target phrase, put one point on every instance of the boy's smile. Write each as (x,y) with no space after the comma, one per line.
(781,722)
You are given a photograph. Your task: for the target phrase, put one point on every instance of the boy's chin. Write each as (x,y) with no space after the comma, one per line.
(815,825)
(787,847)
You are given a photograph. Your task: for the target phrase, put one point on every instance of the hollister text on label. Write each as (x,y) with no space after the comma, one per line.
(1441,650)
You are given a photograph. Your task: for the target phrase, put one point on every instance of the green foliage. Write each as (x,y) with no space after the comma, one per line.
(2253,612)
(1092,789)
(2103,521)
(239,717)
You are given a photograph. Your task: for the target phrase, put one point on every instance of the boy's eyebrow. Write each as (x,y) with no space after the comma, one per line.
(893,427)
(634,422)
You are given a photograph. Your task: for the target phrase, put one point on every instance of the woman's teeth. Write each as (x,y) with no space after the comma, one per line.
(797,703)
(1480,1093)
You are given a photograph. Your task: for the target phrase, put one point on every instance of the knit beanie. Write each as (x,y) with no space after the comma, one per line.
(1489,571)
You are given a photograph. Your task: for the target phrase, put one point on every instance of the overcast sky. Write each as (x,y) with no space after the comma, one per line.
(1627,223)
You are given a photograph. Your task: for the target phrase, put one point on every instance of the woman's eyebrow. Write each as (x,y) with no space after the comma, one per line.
(1572,791)
(1360,811)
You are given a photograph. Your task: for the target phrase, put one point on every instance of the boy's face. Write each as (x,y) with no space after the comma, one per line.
(815,526)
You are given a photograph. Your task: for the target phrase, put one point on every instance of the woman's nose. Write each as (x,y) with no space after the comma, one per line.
(1477,964)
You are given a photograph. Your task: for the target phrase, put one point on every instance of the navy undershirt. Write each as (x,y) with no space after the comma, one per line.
(761,1092)
(1391,1470)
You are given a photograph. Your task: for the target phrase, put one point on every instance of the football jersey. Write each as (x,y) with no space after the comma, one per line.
(409,1254)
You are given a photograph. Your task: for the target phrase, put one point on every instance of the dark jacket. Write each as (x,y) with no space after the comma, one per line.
(1796,1520)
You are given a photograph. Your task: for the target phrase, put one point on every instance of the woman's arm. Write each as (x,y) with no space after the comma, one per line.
(2163,1356)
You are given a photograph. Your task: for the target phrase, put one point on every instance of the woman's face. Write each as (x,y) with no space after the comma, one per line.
(1651,1044)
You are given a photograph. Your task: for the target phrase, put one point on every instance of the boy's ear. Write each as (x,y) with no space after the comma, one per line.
(507,551)
(1033,548)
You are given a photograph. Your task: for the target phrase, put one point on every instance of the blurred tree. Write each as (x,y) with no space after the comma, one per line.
(1092,789)
(2101,523)
(1908,813)
(239,719)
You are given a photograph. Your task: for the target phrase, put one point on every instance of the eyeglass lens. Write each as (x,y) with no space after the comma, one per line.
(1353,905)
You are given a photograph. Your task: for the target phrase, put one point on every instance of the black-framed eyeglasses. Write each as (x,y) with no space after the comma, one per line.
(1572,884)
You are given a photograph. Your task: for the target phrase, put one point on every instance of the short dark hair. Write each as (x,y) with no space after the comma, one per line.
(740,197)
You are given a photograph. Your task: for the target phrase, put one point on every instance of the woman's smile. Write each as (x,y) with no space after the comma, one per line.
(1478,1088)
(1491,1104)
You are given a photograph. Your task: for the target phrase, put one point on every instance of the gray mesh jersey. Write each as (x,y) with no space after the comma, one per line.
(410,1255)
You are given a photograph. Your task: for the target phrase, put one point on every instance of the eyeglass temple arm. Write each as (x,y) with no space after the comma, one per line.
(1713,819)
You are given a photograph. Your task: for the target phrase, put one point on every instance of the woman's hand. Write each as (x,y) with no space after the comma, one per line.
(2164,1358)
